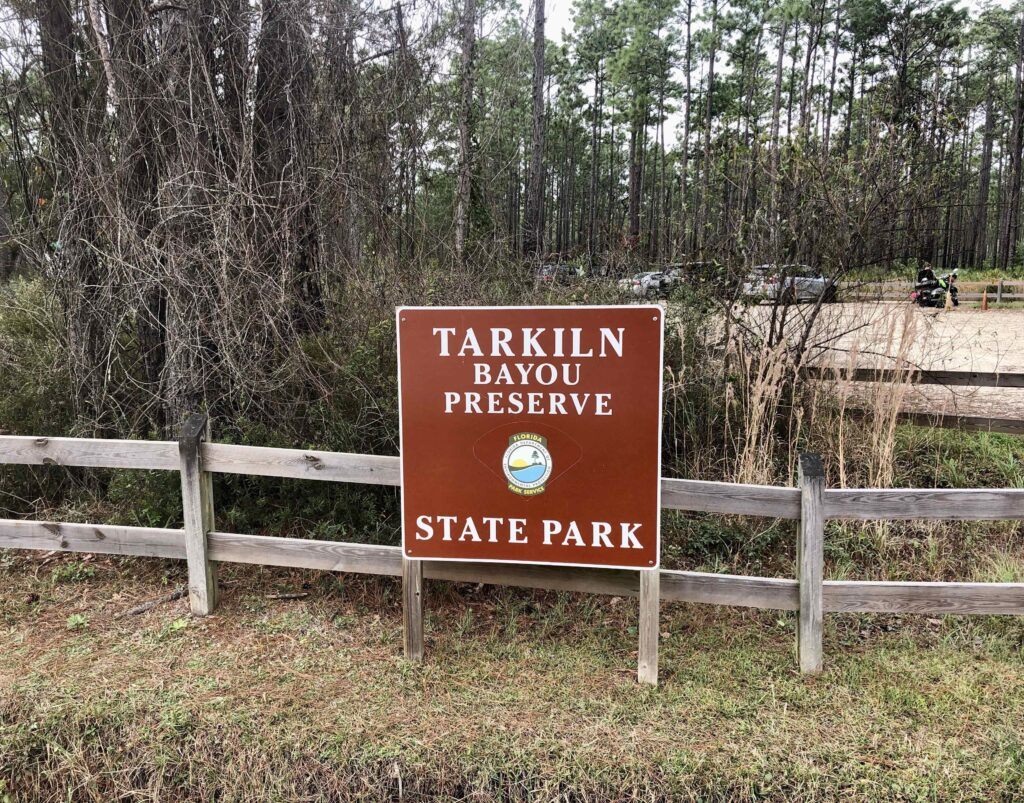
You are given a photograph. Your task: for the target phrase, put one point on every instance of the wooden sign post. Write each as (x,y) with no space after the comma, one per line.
(532,435)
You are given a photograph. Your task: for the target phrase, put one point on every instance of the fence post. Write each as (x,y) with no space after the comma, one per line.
(197,501)
(810,563)
(999,292)
(650,600)
(412,608)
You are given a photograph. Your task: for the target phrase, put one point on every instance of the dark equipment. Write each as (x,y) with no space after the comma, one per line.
(931,290)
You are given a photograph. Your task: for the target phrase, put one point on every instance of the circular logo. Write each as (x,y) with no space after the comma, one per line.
(526,463)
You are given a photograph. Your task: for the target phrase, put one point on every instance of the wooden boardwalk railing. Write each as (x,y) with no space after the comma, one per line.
(812,504)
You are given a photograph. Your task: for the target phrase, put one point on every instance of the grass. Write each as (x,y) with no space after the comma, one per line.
(1015,272)
(523,696)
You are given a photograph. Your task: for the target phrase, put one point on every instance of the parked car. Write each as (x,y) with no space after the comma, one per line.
(694,271)
(643,285)
(673,275)
(709,274)
(789,284)
(556,273)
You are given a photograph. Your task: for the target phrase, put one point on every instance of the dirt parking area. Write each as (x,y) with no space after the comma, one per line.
(887,333)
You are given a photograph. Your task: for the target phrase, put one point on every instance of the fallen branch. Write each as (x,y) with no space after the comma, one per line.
(145,606)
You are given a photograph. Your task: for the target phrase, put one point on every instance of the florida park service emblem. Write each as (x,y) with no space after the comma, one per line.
(527,463)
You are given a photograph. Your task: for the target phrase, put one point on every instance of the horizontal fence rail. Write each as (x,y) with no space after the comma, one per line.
(677,494)
(997,291)
(946,504)
(89,452)
(967,423)
(976,379)
(952,504)
(224,458)
(771,593)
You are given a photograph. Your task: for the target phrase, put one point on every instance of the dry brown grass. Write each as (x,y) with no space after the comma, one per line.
(866,443)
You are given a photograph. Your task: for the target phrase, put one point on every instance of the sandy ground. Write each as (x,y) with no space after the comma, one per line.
(876,334)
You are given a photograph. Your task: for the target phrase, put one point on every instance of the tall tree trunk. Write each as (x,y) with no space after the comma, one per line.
(684,146)
(830,103)
(810,62)
(850,91)
(595,155)
(635,170)
(610,223)
(283,141)
(342,114)
(1016,152)
(659,193)
(127,22)
(409,140)
(979,232)
(80,281)
(463,195)
(709,112)
(532,239)
(773,171)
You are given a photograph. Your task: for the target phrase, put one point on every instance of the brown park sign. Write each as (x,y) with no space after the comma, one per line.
(531,434)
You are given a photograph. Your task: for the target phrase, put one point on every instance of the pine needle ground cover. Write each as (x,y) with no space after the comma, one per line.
(523,696)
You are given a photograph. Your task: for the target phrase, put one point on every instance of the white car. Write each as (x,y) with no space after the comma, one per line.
(789,284)
(643,285)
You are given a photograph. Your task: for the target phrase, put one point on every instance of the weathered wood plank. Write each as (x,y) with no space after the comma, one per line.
(104,539)
(950,504)
(964,295)
(981,379)
(676,586)
(900,291)
(713,497)
(771,593)
(967,423)
(695,495)
(412,609)
(88,452)
(726,497)
(893,284)
(553,578)
(304,553)
(810,564)
(301,464)
(869,596)
(387,560)
(650,606)
(756,592)
(197,502)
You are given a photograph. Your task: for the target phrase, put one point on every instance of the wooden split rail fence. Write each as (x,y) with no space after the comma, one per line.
(196,458)
(976,379)
(997,291)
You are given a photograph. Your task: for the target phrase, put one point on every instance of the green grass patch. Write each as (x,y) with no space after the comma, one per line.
(523,696)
